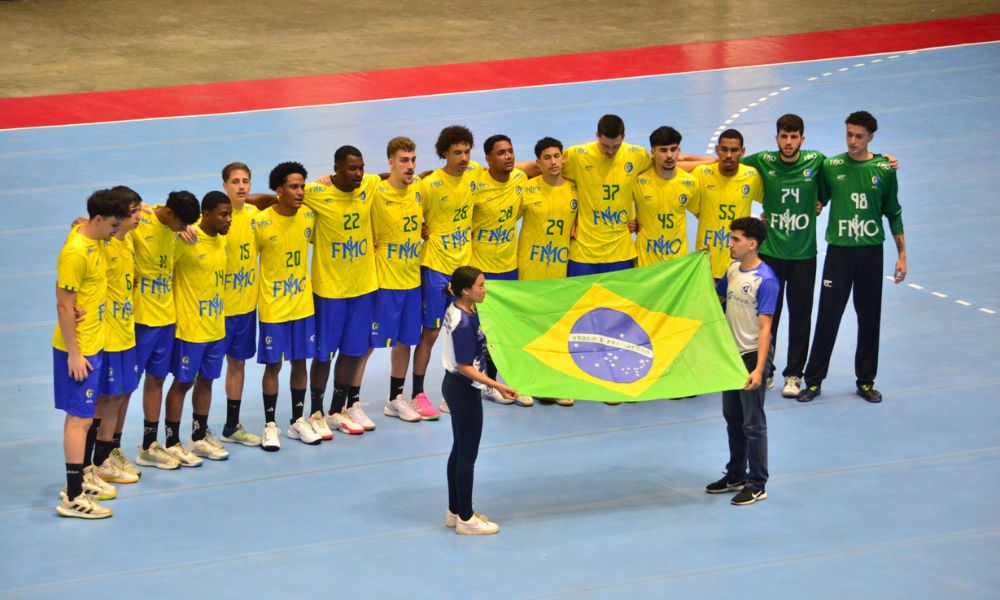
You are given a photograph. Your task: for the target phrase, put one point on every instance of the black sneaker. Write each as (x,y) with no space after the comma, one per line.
(546,400)
(809,393)
(869,393)
(724,485)
(748,495)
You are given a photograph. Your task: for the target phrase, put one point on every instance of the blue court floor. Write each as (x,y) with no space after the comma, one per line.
(898,500)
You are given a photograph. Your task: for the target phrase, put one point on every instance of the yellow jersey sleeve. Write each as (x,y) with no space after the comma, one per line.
(241,263)
(448,208)
(82,269)
(496,206)
(604,186)
(547,216)
(396,219)
(661,208)
(723,199)
(285,292)
(343,261)
(153,296)
(119,325)
(200,288)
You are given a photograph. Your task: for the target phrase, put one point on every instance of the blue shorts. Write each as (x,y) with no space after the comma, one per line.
(433,301)
(241,335)
(153,348)
(343,325)
(76,398)
(291,340)
(508,276)
(580,268)
(203,359)
(120,374)
(397,318)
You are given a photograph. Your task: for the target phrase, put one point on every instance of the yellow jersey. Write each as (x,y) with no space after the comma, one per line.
(447,203)
(285,291)
(152,288)
(82,269)
(241,263)
(661,207)
(200,287)
(343,262)
(547,216)
(723,199)
(604,186)
(495,209)
(396,218)
(119,326)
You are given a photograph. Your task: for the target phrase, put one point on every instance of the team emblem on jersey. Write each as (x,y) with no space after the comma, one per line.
(375,327)
(629,167)
(267,340)
(745,288)
(308,232)
(518,188)
(807,172)
(185,360)
(417,196)
(683,199)
(572,204)
(746,189)
(473,186)
(90,393)
(875,181)
(363,195)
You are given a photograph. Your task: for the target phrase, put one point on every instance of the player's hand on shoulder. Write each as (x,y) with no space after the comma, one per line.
(893,161)
(326,180)
(79,221)
(189,235)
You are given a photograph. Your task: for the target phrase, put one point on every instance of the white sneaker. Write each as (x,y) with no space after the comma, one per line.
(157,456)
(477,525)
(81,507)
(344,423)
(524,401)
(358,415)
(271,440)
(123,463)
(95,487)
(111,472)
(443,407)
(493,395)
(210,437)
(303,431)
(400,408)
(206,449)
(793,385)
(318,424)
(183,455)
(770,382)
(451,519)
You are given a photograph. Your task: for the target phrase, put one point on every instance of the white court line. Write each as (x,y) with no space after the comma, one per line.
(988,311)
(939,294)
(915,286)
(963,303)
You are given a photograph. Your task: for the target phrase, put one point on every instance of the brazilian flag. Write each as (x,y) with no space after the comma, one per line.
(641,334)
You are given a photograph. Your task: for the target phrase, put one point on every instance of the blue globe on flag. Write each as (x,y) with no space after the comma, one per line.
(610,345)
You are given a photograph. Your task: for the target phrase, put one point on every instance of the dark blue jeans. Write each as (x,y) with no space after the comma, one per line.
(746,426)
(466,406)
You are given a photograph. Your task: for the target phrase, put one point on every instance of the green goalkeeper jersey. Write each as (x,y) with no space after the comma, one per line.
(790,194)
(860,194)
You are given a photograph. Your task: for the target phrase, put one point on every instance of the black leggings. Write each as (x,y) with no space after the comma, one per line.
(466,406)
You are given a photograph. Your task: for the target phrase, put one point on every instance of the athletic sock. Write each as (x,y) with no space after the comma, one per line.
(418,384)
(340,391)
(316,400)
(395,387)
(74,480)
(88,448)
(354,395)
(199,427)
(117,439)
(298,403)
(232,415)
(149,430)
(270,407)
(102,450)
(173,433)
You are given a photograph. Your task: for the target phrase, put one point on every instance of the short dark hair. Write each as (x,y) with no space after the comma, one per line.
(790,123)
(130,196)
(462,279)
(862,118)
(281,172)
(343,152)
(752,227)
(731,134)
(213,199)
(493,140)
(107,203)
(664,136)
(234,166)
(451,135)
(184,205)
(546,142)
(611,126)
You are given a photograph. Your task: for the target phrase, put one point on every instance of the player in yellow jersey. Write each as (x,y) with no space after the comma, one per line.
(727,189)
(663,195)
(548,211)
(344,284)
(200,345)
(447,203)
(496,208)
(285,300)
(77,344)
(240,302)
(155,317)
